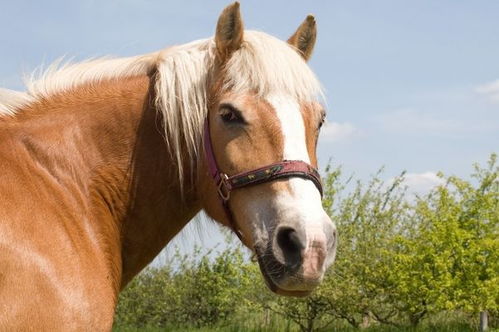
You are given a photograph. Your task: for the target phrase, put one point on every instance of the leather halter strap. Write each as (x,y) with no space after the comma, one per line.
(225,183)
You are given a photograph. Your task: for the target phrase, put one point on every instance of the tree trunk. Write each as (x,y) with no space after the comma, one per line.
(366,321)
(484,321)
(309,327)
(266,319)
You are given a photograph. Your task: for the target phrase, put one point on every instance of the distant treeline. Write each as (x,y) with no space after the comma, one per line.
(403,263)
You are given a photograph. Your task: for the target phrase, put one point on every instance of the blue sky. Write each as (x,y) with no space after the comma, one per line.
(412,85)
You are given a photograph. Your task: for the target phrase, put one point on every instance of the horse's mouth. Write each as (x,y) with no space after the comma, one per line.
(272,285)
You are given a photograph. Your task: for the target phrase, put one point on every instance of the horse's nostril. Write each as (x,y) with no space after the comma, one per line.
(288,239)
(291,245)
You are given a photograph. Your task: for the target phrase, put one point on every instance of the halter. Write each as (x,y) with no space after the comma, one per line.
(280,170)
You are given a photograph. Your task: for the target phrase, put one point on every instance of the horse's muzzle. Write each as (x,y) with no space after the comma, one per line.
(295,261)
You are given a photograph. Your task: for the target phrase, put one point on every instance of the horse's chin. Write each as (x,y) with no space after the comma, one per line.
(280,291)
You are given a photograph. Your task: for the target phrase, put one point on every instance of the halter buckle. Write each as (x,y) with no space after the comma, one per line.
(224,187)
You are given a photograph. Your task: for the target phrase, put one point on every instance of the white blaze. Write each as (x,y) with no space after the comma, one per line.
(303,203)
(293,127)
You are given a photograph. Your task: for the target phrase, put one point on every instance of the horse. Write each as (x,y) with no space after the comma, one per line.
(103,162)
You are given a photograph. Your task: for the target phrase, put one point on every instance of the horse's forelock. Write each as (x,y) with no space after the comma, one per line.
(269,66)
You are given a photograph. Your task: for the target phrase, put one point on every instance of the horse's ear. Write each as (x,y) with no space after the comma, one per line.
(304,37)
(229,35)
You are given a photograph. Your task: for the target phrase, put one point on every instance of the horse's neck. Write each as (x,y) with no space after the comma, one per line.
(122,165)
(157,210)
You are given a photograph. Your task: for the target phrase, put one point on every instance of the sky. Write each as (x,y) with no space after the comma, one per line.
(410,85)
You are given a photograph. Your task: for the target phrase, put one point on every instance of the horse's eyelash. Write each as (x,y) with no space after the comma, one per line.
(230,107)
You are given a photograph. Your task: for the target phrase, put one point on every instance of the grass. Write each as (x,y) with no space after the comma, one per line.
(451,328)
(252,325)
(452,321)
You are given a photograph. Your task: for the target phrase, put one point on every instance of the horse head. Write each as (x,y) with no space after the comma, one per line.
(263,122)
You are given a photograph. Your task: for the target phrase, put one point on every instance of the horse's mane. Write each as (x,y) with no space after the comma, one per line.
(263,65)
(11,101)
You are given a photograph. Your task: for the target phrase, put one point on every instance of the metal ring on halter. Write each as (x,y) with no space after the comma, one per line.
(224,187)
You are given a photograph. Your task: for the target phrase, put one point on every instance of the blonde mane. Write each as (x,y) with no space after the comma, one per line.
(11,101)
(263,65)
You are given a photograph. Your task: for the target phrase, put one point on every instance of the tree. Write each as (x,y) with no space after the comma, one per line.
(187,291)
(449,258)
(368,220)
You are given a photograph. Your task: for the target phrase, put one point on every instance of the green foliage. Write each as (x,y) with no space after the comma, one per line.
(449,258)
(188,293)
(368,218)
(403,263)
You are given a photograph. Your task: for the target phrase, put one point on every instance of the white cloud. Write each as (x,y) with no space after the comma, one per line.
(490,90)
(420,183)
(335,131)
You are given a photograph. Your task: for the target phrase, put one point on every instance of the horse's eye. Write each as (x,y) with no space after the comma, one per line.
(231,115)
